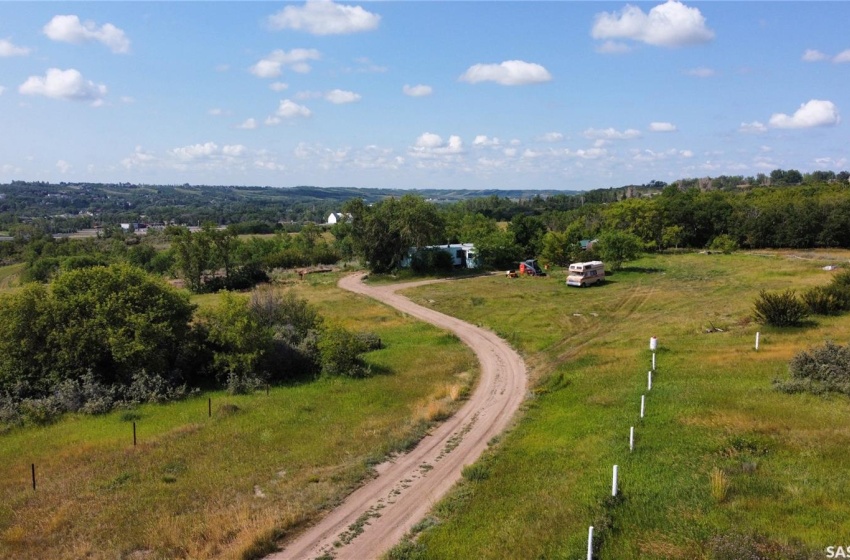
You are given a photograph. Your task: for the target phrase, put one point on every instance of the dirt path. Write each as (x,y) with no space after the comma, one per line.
(375,517)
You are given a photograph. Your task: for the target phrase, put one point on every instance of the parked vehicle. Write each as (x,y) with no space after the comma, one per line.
(530,268)
(586,273)
(463,255)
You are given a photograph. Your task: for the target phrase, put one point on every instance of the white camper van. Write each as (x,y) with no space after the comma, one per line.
(586,273)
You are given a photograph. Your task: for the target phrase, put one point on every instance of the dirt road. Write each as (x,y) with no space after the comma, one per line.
(375,517)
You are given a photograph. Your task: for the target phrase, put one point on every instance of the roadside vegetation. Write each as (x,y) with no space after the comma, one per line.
(724,465)
(230,483)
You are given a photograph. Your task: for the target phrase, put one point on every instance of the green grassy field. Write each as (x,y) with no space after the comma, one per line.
(783,458)
(10,275)
(226,486)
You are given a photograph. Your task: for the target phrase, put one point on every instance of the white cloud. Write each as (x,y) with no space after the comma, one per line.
(341,97)
(324,17)
(432,145)
(611,134)
(296,59)
(69,29)
(815,112)
(671,24)
(289,109)
(140,157)
(248,124)
(63,166)
(7,49)
(754,127)
(216,112)
(419,90)
(843,56)
(278,86)
(64,84)
(686,153)
(2,89)
(207,151)
(701,72)
(613,47)
(508,73)
(662,127)
(485,141)
(550,137)
(813,55)
(592,153)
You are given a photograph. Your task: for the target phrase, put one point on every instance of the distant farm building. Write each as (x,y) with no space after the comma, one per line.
(337,217)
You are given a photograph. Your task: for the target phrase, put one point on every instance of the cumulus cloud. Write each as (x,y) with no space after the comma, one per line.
(508,73)
(207,151)
(296,60)
(419,90)
(485,141)
(63,166)
(324,17)
(69,29)
(550,137)
(701,72)
(289,109)
(813,113)
(341,97)
(611,133)
(248,124)
(278,86)
(662,127)
(431,145)
(139,158)
(754,127)
(813,55)
(671,24)
(843,56)
(8,49)
(64,84)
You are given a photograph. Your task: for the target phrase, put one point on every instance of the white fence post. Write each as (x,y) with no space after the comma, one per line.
(649,381)
(631,439)
(757,340)
(614,483)
(642,404)
(653,361)
(590,543)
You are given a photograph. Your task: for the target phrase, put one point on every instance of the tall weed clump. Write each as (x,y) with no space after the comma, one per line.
(821,370)
(780,309)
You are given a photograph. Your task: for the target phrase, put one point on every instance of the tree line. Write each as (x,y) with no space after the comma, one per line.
(105,336)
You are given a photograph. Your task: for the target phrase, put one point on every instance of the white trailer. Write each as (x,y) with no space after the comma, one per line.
(463,255)
(586,273)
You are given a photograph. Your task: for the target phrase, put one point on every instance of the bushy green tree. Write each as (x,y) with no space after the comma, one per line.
(382,234)
(617,247)
(112,323)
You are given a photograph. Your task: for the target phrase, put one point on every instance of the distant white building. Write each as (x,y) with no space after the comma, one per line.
(337,217)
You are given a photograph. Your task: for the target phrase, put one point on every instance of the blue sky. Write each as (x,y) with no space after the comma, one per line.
(544,95)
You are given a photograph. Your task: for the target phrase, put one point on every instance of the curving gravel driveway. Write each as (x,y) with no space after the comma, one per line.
(375,516)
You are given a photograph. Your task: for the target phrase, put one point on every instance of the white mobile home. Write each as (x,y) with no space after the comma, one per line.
(463,255)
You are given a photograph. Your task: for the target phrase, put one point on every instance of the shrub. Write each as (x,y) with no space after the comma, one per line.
(781,309)
(822,301)
(369,340)
(41,411)
(724,244)
(340,352)
(819,371)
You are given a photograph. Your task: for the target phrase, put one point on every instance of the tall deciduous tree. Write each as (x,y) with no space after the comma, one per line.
(382,234)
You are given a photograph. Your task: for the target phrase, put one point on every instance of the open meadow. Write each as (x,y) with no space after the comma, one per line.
(723,467)
(220,476)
